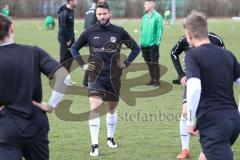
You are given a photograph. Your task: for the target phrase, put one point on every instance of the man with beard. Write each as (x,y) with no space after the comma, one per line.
(105,70)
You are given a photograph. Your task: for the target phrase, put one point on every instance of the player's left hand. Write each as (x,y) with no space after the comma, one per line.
(121,65)
(43,106)
(192,130)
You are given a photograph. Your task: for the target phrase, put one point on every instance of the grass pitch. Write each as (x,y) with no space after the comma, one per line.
(148,129)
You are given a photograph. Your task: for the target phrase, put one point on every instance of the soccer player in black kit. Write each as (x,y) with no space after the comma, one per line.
(178,49)
(23,126)
(105,69)
(211,72)
(66,35)
(183,46)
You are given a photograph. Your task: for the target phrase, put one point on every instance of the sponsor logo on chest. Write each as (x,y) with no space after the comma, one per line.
(96,37)
(113,39)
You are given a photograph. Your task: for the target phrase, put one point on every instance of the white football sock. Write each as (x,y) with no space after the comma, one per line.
(111,121)
(183,133)
(94,125)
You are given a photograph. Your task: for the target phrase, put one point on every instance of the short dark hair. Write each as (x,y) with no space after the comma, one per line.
(95,1)
(68,1)
(103,5)
(5,24)
(149,0)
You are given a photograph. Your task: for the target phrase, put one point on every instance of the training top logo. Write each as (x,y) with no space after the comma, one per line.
(113,39)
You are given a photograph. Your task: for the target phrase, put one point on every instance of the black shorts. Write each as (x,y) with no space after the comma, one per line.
(16,142)
(217,137)
(184,95)
(108,90)
(151,54)
(66,57)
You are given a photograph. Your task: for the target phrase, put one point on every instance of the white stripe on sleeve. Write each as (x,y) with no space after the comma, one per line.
(193,97)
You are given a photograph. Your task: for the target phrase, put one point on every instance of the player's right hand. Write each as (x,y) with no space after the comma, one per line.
(184,81)
(89,66)
(43,106)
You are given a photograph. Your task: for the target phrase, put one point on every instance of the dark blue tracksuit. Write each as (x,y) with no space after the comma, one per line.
(218,119)
(90,18)
(65,35)
(105,44)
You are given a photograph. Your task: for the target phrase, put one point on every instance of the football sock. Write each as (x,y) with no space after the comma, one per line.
(183,133)
(111,121)
(94,125)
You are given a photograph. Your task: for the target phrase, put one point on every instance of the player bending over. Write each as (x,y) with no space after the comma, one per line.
(49,23)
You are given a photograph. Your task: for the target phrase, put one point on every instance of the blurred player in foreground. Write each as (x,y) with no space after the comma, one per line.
(182,47)
(23,126)
(211,72)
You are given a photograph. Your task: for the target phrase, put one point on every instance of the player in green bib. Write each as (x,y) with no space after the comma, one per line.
(167,16)
(151,35)
(49,23)
(6,10)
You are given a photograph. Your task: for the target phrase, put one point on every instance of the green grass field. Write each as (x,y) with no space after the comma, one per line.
(143,138)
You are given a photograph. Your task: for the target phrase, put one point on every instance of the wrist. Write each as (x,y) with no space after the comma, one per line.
(190,123)
(182,75)
(50,108)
